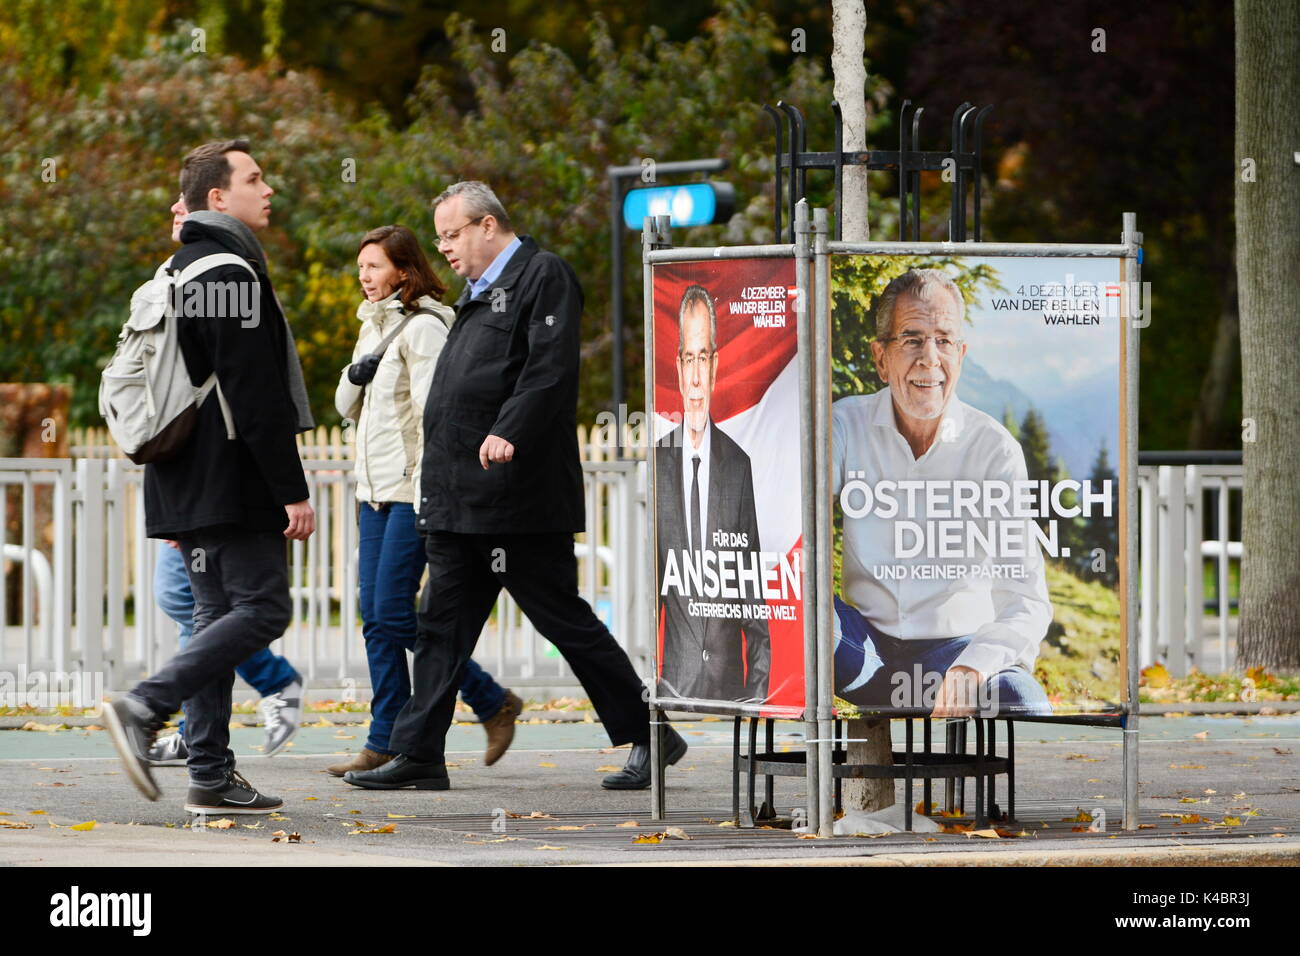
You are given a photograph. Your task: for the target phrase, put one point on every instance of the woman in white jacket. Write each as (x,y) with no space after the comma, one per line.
(403,329)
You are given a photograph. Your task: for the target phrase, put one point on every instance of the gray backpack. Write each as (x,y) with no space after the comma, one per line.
(145,393)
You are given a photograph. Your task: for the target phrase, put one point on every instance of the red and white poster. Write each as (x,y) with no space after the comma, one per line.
(725,458)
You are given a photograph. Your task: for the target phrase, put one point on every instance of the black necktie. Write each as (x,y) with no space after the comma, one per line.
(695,504)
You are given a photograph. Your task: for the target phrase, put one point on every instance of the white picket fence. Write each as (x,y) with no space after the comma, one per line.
(80,569)
(81,533)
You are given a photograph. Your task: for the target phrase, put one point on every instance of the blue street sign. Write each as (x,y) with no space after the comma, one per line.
(690,204)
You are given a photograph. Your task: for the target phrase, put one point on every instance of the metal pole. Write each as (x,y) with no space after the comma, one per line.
(822,495)
(807,473)
(649,240)
(616,298)
(1133,239)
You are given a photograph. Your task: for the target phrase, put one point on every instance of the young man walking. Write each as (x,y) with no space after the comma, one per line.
(230,501)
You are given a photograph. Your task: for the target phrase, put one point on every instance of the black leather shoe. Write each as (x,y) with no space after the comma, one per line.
(401,772)
(636,774)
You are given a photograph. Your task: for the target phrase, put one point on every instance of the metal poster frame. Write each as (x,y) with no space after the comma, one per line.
(812,251)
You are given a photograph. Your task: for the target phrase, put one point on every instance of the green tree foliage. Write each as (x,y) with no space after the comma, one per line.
(541,128)
(79,239)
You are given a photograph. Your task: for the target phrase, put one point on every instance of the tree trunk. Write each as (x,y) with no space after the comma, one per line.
(848,26)
(1268,248)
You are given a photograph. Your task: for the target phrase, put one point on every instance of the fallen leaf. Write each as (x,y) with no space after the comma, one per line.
(1232,821)
(627,823)
(396,816)
(676,833)
(727,823)
(311,798)
(1146,826)
(1209,791)
(546,764)
(547,846)
(386,828)
(567,827)
(956,827)
(36,813)
(807,836)
(1081,816)
(608,769)
(1186,766)
(989,834)
(535,815)
(281,837)
(1192,800)
(1203,735)
(648,838)
(222,824)
(16,825)
(1156,676)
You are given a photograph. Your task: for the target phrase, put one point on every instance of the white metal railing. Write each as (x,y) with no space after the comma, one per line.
(1176,504)
(79,533)
(74,530)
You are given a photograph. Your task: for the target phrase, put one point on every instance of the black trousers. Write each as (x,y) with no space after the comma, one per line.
(466,573)
(240,580)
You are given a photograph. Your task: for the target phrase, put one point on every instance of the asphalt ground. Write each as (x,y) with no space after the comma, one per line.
(542,804)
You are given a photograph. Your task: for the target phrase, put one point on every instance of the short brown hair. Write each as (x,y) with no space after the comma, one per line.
(208,168)
(403,250)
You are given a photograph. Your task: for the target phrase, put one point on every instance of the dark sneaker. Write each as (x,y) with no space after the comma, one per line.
(169,751)
(234,795)
(132,727)
(282,712)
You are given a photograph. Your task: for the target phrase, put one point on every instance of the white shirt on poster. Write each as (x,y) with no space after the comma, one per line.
(1006,616)
(690,452)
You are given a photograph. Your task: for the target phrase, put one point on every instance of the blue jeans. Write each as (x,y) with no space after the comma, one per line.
(874,670)
(391,563)
(265,672)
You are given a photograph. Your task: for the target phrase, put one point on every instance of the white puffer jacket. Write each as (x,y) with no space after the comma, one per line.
(389,435)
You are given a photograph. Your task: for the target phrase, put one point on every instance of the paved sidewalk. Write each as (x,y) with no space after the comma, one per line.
(1242,769)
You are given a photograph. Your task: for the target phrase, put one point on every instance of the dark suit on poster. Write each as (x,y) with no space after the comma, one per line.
(708,658)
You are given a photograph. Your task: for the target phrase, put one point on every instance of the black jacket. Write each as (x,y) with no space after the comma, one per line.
(215,481)
(735,669)
(509,368)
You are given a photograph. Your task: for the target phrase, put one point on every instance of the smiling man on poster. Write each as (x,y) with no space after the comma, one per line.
(705,490)
(928,622)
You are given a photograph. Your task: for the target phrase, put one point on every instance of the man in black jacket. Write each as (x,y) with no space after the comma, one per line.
(501,492)
(230,502)
(704,488)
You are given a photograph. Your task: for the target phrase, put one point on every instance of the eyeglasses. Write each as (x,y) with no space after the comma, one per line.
(914,343)
(455,233)
(690,360)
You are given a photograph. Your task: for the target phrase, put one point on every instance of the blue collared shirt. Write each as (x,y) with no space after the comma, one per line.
(490,274)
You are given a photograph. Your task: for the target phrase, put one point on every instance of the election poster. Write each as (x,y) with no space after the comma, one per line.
(725,464)
(977,429)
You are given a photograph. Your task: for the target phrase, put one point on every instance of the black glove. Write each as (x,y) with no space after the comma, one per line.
(363,371)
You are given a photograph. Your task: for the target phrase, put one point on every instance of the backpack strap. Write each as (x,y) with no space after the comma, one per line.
(214,261)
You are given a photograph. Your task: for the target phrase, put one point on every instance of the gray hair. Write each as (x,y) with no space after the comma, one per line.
(697,294)
(478,201)
(920,283)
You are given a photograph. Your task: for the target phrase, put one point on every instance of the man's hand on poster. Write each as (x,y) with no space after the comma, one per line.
(495,448)
(958,695)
